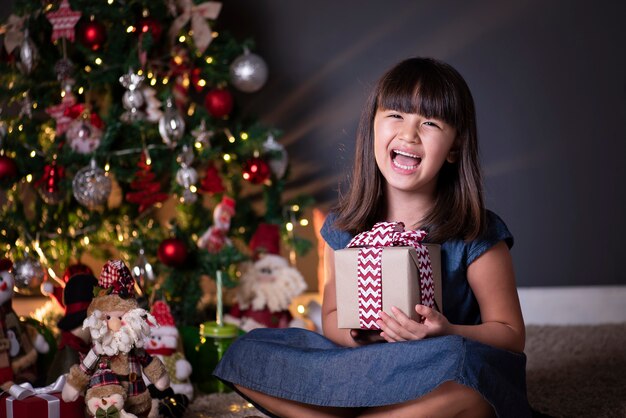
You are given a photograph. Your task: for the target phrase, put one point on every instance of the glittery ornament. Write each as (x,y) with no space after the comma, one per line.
(28,275)
(64,68)
(29,56)
(82,136)
(48,184)
(91,186)
(248,72)
(219,103)
(142,269)
(256,170)
(187,176)
(171,124)
(277,156)
(133,99)
(92,34)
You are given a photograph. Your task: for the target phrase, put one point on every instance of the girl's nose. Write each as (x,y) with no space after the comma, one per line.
(409,133)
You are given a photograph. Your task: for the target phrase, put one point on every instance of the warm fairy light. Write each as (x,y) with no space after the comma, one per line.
(289,226)
(243,135)
(140,72)
(150,74)
(193,188)
(33,154)
(231,139)
(20,127)
(304,222)
(29,178)
(209,60)
(202,82)
(10,129)
(198,145)
(178,60)
(86,240)
(227,157)
(186,82)
(295,208)
(165,80)
(35,105)
(153,82)
(215,34)
(182,39)
(59,231)
(98,61)
(87,69)
(191,110)
(246,176)
(301,309)
(62,93)
(107,167)
(81,90)
(130,29)
(110,2)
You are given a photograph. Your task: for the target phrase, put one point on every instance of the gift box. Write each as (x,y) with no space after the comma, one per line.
(386,267)
(24,401)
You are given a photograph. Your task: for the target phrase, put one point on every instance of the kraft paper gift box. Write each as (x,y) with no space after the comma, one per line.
(400,279)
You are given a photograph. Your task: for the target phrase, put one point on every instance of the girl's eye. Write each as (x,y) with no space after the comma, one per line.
(395,116)
(431,123)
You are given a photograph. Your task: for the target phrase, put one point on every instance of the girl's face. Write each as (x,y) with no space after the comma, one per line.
(410,150)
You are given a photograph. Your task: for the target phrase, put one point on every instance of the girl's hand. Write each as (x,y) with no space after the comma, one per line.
(366,336)
(402,328)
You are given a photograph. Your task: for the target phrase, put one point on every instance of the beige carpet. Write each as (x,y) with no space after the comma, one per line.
(573,371)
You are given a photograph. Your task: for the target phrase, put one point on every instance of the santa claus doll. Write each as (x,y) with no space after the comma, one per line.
(216,236)
(266,290)
(116,361)
(20,344)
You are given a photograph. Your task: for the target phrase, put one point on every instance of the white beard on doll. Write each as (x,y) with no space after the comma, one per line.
(130,335)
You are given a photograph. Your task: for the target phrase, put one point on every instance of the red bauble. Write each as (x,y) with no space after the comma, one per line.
(256,170)
(219,102)
(91,34)
(172,252)
(8,169)
(152,25)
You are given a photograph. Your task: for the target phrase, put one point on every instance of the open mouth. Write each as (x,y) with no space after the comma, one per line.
(405,160)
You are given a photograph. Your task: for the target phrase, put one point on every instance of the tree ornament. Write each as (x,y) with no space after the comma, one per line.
(48,184)
(202,135)
(212,182)
(216,236)
(8,169)
(133,99)
(248,72)
(92,34)
(29,56)
(82,136)
(171,125)
(142,269)
(13,35)
(277,156)
(172,252)
(219,102)
(60,113)
(198,14)
(256,170)
(63,21)
(91,186)
(153,105)
(28,274)
(147,189)
(187,176)
(153,26)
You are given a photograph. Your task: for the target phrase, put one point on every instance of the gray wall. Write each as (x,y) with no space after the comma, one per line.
(549,80)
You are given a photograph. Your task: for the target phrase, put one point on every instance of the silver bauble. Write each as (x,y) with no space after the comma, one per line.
(248,72)
(91,186)
(132,99)
(29,55)
(171,124)
(278,159)
(28,275)
(186,176)
(188,197)
(142,269)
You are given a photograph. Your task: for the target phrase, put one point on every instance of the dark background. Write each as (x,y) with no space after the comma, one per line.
(549,81)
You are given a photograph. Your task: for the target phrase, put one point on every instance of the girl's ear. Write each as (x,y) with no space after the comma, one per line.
(453,155)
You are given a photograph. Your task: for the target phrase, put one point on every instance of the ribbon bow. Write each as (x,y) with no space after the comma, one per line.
(388,234)
(13,35)
(198,14)
(26,390)
(110,412)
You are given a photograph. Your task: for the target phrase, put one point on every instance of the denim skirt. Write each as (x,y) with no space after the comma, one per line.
(306,367)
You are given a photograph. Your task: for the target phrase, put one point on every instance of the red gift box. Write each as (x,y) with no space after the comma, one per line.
(49,405)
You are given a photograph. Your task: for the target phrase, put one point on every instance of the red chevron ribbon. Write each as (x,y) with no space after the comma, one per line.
(369,271)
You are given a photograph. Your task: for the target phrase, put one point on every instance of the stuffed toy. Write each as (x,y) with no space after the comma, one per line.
(75,340)
(217,235)
(20,343)
(111,372)
(266,290)
(163,343)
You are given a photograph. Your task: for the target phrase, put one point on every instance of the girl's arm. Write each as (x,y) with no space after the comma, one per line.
(492,280)
(345,337)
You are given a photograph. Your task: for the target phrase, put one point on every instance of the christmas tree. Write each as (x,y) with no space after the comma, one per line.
(120,133)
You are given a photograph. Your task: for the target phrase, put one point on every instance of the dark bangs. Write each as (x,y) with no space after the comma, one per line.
(424,89)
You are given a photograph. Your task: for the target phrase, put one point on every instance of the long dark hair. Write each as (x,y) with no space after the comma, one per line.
(433,89)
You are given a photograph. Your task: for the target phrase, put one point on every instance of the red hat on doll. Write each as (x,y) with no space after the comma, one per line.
(265,240)
(228,204)
(117,289)
(165,321)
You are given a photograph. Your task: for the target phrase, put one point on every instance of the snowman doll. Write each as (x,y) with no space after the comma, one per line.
(20,344)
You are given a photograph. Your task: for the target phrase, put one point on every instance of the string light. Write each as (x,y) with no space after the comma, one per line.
(130,29)
(209,60)
(98,61)
(304,222)
(227,158)
(289,226)
(182,39)
(243,136)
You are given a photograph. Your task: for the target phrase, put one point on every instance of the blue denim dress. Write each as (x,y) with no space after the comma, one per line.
(304,366)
